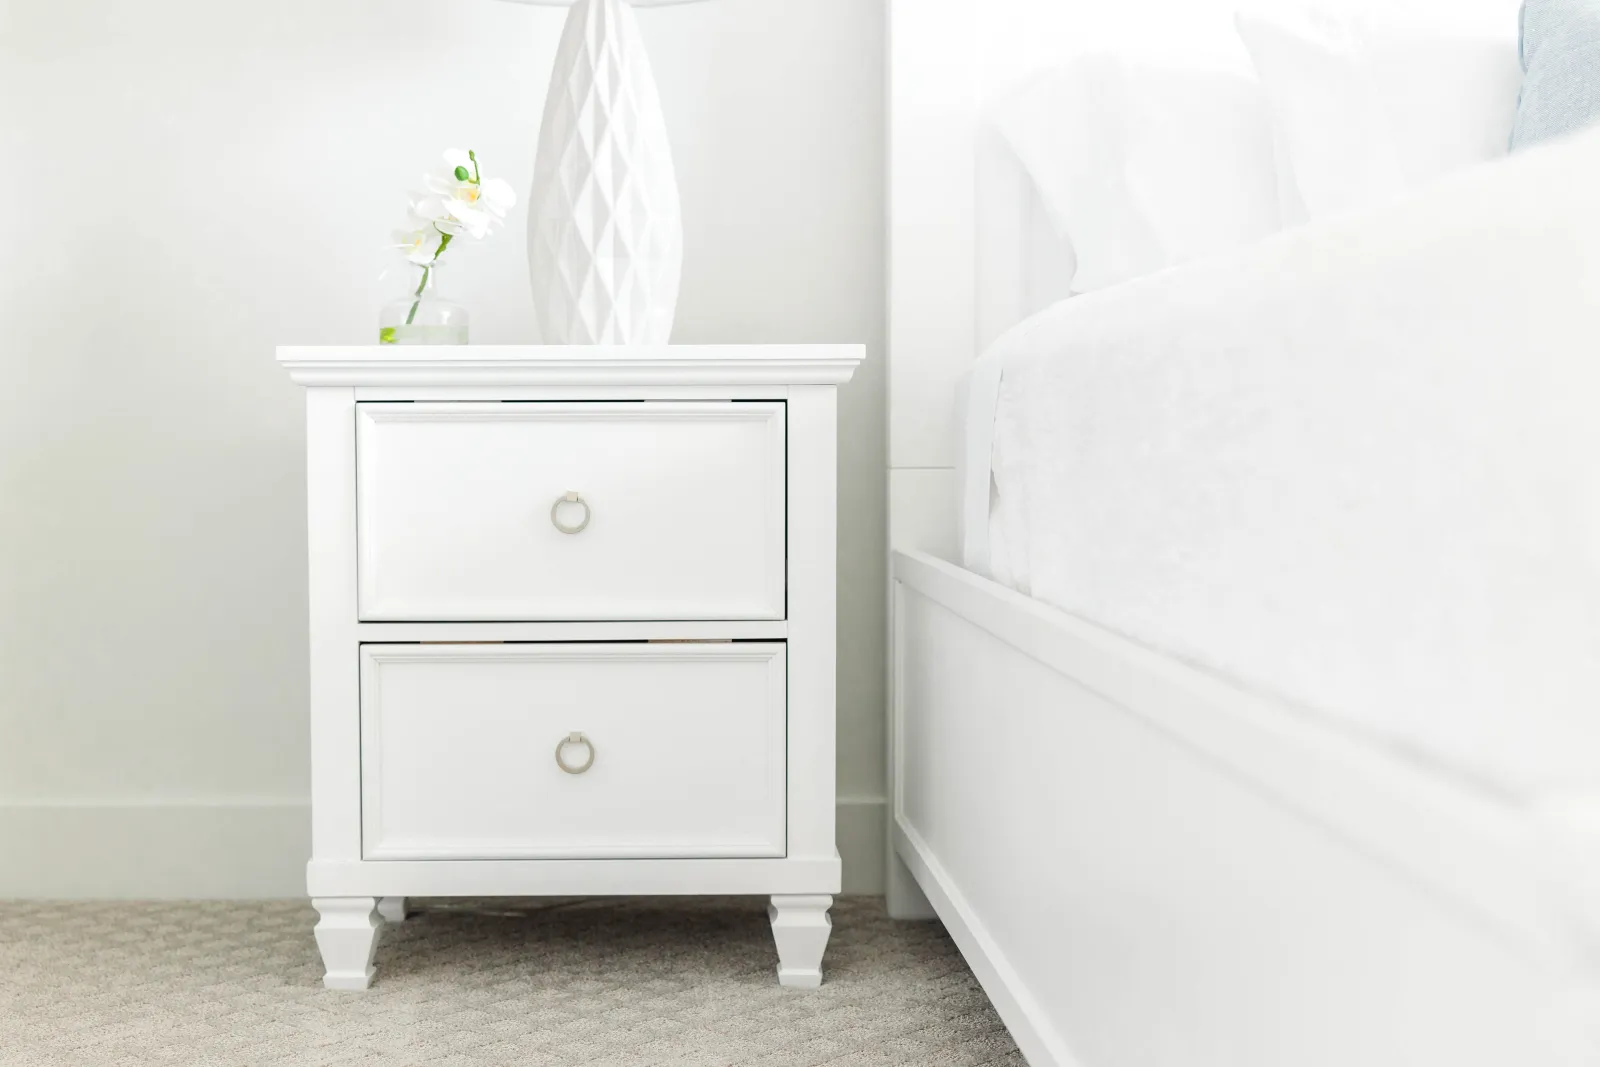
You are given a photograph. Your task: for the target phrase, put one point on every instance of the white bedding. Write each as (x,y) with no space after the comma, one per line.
(1357,467)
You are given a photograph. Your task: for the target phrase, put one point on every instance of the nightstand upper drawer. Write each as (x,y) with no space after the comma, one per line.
(465,511)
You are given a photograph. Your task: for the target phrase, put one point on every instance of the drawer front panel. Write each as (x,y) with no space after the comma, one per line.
(681,513)
(459,751)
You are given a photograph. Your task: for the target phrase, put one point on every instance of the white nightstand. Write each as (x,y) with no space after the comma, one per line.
(572,630)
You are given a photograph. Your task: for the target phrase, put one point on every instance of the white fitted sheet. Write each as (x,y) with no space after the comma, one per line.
(1356,468)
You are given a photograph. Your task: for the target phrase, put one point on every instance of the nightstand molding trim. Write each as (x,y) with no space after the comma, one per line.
(532,365)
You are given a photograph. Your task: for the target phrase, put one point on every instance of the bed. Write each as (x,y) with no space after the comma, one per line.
(1198,760)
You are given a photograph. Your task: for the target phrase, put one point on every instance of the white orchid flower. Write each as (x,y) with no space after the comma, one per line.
(460,195)
(436,211)
(457,202)
(420,245)
(497,197)
(454,215)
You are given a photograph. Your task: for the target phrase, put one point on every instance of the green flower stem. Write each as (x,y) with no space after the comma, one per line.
(420,287)
(444,242)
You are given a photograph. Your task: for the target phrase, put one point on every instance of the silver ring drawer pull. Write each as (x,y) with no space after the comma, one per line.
(555,513)
(561,753)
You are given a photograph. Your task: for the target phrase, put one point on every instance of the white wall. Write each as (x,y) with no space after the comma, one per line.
(189,183)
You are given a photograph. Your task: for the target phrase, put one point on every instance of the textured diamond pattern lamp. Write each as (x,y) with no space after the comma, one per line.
(605,238)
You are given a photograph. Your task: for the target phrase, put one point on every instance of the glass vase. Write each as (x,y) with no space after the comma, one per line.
(420,315)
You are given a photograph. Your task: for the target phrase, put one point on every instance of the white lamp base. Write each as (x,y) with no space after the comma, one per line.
(605,236)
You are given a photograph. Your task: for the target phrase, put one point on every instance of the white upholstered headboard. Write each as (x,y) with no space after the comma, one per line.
(964,226)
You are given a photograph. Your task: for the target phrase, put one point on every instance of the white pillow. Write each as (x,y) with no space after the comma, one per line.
(1143,167)
(1362,111)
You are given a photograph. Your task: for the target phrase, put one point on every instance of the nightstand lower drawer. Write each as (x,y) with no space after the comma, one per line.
(573,751)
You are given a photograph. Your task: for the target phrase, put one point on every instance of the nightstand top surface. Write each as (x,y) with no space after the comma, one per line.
(754,364)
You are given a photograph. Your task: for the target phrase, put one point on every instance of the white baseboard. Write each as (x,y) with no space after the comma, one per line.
(152,851)
(862,832)
(242,850)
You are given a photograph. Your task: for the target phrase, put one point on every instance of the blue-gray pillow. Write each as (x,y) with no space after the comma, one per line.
(1561,63)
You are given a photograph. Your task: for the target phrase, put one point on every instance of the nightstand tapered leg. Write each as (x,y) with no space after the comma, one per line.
(347,935)
(392,909)
(800,926)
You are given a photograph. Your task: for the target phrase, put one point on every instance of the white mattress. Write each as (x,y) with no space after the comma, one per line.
(1357,468)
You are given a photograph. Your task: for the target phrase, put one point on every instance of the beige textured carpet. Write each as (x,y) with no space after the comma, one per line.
(468,983)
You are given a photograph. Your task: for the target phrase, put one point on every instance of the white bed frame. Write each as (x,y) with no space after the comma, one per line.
(1145,866)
